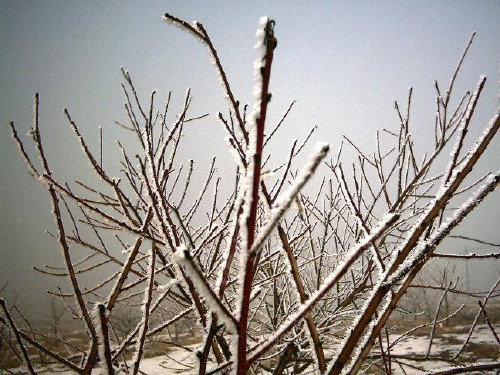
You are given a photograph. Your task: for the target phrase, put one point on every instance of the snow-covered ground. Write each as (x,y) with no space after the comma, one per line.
(182,361)
(447,345)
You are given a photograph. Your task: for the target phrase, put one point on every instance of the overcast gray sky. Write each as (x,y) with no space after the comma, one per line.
(344,62)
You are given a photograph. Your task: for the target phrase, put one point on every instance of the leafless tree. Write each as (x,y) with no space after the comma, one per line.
(273,289)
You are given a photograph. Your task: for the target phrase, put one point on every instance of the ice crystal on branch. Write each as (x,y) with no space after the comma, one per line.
(267,288)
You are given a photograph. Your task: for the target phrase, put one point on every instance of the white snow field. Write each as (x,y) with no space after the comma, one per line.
(183,360)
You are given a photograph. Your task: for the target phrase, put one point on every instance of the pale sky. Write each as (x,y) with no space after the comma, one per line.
(344,62)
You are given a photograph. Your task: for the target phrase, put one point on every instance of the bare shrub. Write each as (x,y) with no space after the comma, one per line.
(276,290)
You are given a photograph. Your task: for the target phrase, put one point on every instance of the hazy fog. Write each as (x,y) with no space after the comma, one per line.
(344,62)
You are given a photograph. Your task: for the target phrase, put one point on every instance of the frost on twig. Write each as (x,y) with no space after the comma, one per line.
(271,289)
(283,203)
(184,258)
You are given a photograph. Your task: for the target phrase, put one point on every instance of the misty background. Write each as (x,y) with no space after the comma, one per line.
(345,63)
